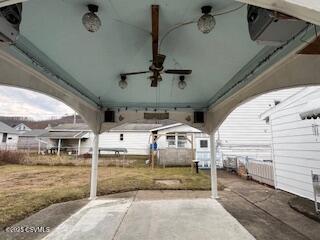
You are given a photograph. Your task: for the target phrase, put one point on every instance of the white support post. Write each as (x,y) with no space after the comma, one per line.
(59,146)
(39,146)
(94,167)
(214,185)
(79,147)
(176,139)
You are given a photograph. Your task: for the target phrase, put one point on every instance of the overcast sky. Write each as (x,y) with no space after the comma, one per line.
(20,102)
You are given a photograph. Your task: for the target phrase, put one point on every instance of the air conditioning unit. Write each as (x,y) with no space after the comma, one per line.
(10,19)
(272,28)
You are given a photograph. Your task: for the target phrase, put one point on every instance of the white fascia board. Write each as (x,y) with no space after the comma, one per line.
(166,127)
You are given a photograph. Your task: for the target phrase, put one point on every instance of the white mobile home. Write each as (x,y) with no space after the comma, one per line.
(8,137)
(135,137)
(295,135)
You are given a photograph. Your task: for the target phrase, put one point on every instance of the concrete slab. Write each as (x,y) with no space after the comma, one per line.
(180,219)
(99,219)
(150,219)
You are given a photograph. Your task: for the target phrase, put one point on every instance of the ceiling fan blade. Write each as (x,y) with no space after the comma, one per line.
(133,73)
(155,32)
(178,71)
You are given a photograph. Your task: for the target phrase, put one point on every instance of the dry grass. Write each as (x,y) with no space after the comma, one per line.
(11,157)
(83,160)
(27,189)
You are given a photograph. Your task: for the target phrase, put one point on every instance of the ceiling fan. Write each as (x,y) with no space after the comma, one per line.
(158,59)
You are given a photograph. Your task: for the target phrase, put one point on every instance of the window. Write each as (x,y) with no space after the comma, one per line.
(203,143)
(171,140)
(182,141)
(121,137)
(181,144)
(4,137)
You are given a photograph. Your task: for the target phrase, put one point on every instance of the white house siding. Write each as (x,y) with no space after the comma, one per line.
(296,147)
(135,142)
(11,143)
(243,133)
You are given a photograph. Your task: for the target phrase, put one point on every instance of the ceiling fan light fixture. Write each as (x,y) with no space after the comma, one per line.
(206,22)
(90,20)
(123,82)
(182,83)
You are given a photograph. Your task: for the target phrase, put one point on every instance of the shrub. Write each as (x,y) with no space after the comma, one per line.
(86,155)
(11,157)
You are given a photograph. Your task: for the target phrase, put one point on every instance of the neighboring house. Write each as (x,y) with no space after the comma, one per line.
(22,128)
(69,137)
(244,134)
(8,137)
(295,132)
(179,144)
(135,137)
(33,140)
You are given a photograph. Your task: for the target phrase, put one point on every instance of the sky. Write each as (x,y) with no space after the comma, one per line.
(25,103)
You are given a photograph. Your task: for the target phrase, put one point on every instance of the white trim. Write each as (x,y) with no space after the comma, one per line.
(213,167)
(167,126)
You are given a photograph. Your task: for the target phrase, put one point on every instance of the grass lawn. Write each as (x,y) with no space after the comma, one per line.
(27,189)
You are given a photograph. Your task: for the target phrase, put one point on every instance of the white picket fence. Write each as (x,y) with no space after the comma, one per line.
(261,171)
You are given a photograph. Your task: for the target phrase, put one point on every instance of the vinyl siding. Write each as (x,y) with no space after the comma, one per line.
(243,133)
(296,149)
(11,144)
(137,143)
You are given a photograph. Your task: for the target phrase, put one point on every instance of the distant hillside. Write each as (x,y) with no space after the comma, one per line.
(14,121)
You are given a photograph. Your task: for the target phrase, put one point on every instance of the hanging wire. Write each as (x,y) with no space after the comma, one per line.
(175,27)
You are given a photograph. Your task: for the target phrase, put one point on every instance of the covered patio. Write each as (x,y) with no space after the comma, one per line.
(184,75)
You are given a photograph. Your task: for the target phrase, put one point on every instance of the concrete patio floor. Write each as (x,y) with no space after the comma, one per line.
(139,218)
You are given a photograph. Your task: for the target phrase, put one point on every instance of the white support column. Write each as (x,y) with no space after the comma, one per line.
(39,146)
(79,147)
(214,185)
(176,139)
(94,167)
(59,146)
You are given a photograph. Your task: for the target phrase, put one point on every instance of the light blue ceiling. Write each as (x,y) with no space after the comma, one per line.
(123,44)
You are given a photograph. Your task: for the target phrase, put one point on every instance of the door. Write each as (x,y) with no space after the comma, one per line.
(203,152)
